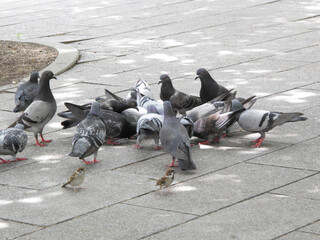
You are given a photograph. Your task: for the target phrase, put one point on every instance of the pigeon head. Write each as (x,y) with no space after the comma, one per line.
(47,75)
(132,103)
(95,109)
(164,78)
(167,107)
(201,73)
(34,76)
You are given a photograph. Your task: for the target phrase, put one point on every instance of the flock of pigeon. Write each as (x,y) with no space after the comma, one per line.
(171,121)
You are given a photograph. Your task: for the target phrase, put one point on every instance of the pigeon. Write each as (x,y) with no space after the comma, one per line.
(145,101)
(116,124)
(175,140)
(143,87)
(262,121)
(89,136)
(26,92)
(208,108)
(212,126)
(180,101)
(132,115)
(149,126)
(41,110)
(209,87)
(12,141)
(115,103)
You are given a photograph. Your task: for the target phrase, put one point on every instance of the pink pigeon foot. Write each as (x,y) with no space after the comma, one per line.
(258,142)
(157,147)
(172,164)
(137,146)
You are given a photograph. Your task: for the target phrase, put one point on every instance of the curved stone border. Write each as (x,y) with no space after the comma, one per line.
(67,58)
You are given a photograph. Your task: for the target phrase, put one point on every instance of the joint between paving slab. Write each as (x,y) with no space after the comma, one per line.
(296,229)
(161,209)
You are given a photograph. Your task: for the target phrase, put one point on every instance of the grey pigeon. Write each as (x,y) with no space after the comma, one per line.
(26,92)
(12,141)
(175,140)
(209,87)
(262,121)
(132,115)
(180,101)
(208,108)
(149,126)
(145,101)
(41,110)
(89,136)
(143,87)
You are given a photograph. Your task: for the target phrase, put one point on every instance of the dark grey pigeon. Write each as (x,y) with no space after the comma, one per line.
(26,92)
(180,101)
(89,136)
(209,87)
(262,121)
(41,110)
(12,141)
(115,103)
(175,140)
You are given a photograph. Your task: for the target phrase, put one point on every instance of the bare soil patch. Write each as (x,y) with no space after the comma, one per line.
(19,59)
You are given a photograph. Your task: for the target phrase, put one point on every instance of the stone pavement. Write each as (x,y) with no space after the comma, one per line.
(268,48)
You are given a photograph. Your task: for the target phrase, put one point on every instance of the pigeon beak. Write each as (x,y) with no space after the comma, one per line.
(159,82)
(196,77)
(54,77)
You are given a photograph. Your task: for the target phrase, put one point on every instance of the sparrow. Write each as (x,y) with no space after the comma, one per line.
(76,179)
(166,180)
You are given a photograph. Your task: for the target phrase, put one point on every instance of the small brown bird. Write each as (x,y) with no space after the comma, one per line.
(76,179)
(166,180)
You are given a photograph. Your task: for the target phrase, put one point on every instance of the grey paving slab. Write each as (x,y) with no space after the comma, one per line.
(11,230)
(206,158)
(258,218)
(303,155)
(115,222)
(7,193)
(313,228)
(300,235)
(60,204)
(308,188)
(315,86)
(45,166)
(305,54)
(222,188)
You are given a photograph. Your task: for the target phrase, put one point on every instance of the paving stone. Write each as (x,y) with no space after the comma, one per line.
(60,204)
(308,188)
(207,159)
(294,156)
(120,223)
(313,228)
(300,235)
(221,188)
(11,230)
(263,217)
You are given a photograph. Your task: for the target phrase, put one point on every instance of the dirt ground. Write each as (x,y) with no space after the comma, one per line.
(19,59)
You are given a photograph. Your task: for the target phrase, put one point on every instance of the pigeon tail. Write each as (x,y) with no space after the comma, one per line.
(297,119)
(186,164)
